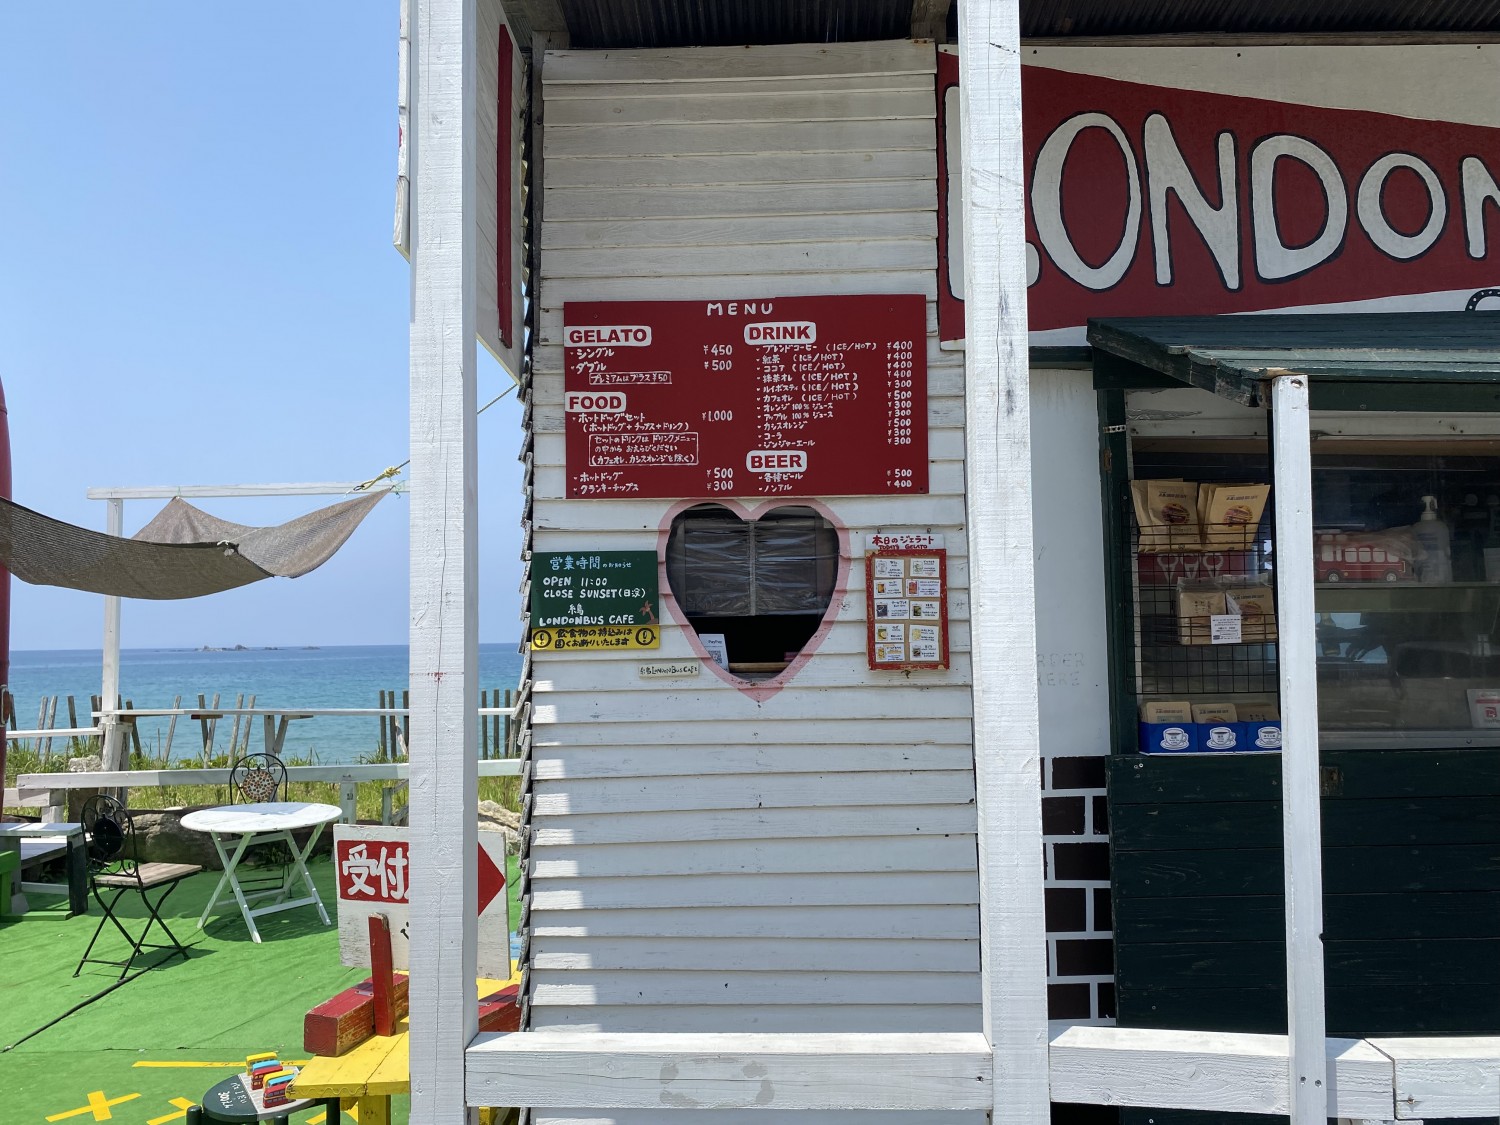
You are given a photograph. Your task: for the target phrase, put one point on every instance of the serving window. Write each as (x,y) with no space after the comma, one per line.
(1407,572)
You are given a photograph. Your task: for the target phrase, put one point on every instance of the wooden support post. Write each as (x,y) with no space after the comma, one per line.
(444,559)
(381,974)
(112,751)
(1296,621)
(380,749)
(1001,590)
(171,728)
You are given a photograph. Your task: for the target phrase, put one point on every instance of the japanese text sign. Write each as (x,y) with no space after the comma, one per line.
(603,599)
(802,396)
(373,874)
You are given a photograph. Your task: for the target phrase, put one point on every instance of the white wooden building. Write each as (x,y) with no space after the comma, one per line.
(812,889)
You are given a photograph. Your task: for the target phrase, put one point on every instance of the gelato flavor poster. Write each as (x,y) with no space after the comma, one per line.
(906,596)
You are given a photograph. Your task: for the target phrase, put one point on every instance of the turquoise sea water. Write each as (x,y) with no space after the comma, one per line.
(335,676)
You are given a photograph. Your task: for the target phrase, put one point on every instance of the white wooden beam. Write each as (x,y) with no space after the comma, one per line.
(1297,653)
(1216,1071)
(147,779)
(188,491)
(558,1068)
(1444,1077)
(1001,590)
(444,559)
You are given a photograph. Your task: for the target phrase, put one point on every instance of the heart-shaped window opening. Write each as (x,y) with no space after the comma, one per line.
(764,584)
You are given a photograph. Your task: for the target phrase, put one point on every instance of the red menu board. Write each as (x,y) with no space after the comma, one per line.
(789,396)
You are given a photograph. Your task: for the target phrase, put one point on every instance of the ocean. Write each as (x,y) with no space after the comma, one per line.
(332,676)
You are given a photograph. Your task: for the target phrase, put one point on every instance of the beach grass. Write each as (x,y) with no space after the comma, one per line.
(22,757)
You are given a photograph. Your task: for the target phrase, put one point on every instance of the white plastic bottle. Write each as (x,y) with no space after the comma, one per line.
(1436,563)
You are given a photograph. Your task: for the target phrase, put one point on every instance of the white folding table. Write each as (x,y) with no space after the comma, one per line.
(263,823)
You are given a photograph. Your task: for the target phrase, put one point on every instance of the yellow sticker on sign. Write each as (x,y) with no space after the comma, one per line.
(596,637)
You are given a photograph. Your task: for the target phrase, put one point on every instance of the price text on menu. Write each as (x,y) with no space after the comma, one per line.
(787,396)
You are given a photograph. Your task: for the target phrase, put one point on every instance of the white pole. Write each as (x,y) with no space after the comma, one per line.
(444,561)
(111,746)
(1301,816)
(1001,591)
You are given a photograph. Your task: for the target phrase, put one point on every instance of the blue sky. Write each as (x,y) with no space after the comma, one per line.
(198,287)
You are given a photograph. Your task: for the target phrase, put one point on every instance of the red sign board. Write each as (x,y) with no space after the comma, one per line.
(789,396)
(1147,200)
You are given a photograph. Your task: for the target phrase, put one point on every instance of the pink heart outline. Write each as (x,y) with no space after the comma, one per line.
(765,689)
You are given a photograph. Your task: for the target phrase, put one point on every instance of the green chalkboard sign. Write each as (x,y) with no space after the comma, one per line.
(604,599)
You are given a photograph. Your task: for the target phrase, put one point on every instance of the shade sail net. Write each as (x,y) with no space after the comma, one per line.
(182,553)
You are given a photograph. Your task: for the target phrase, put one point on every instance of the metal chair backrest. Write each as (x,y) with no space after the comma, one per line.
(111,836)
(256,778)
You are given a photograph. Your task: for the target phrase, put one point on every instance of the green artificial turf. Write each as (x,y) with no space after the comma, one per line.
(157,1037)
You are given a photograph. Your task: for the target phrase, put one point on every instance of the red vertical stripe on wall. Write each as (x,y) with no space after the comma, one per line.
(504,189)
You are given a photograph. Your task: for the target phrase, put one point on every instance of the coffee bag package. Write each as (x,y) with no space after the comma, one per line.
(1195,605)
(1231,515)
(1172,507)
(1256,606)
(1215,713)
(1167,712)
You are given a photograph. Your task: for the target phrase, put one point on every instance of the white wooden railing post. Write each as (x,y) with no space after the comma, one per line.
(1301,817)
(444,559)
(1001,588)
(112,743)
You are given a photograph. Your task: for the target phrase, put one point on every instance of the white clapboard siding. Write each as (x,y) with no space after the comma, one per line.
(752,824)
(740,170)
(750,231)
(684,69)
(775,104)
(698,859)
(938,924)
(737,202)
(759,954)
(733,88)
(573,762)
(758,1117)
(784,1018)
(758,139)
(731,791)
(761,857)
(669,986)
(808,732)
(770,891)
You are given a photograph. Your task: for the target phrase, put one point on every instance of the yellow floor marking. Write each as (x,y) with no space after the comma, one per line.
(182,1104)
(98,1106)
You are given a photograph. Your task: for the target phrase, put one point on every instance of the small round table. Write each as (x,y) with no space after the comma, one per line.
(233,1102)
(260,824)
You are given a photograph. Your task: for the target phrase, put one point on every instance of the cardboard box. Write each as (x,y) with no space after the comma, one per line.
(1168,738)
(1167,712)
(1259,712)
(1215,713)
(1264,735)
(1218,738)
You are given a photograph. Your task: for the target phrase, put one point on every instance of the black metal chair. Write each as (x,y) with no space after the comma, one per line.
(115,868)
(256,778)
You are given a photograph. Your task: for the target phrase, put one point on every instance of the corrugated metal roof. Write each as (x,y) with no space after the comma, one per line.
(1041,18)
(599,24)
(596,24)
